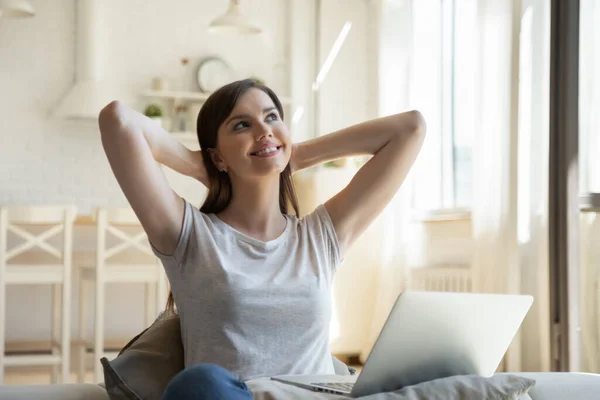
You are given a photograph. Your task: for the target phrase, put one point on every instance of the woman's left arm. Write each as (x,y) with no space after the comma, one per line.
(393,141)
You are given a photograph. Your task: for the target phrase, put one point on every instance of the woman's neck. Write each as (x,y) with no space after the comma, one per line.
(254,208)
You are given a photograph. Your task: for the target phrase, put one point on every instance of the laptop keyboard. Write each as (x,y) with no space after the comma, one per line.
(341,386)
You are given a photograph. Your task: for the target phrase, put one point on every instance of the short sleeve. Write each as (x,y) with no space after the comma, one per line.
(184,237)
(320,223)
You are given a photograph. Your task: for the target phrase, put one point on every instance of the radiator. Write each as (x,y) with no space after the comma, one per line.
(445,279)
(440,279)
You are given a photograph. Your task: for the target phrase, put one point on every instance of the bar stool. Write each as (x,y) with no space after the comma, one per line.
(114,265)
(19,265)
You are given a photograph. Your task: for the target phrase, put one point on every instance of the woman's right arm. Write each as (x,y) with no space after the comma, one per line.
(134,145)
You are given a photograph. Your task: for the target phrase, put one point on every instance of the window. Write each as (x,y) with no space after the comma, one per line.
(443,88)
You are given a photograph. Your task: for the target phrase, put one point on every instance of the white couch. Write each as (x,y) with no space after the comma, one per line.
(549,386)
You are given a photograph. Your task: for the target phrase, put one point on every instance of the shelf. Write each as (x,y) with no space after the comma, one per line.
(170,94)
(191,96)
(589,202)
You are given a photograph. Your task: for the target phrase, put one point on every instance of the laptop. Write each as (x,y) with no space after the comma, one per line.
(431,335)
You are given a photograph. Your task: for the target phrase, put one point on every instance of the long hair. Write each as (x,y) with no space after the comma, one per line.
(213,113)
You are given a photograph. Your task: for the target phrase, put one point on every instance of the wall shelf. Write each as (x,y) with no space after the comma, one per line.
(191,96)
(176,95)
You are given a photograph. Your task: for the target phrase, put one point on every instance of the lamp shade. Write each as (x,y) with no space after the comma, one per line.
(233,22)
(16,9)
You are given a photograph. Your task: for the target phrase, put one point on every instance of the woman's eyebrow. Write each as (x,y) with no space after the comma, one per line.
(242,116)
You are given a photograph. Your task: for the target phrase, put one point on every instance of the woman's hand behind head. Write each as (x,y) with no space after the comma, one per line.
(200,169)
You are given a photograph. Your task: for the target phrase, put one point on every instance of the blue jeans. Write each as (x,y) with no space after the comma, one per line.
(206,381)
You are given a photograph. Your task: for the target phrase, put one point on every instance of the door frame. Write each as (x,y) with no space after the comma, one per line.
(564,202)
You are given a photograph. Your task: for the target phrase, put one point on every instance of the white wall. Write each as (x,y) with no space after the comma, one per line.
(344,94)
(344,101)
(45,160)
(48,160)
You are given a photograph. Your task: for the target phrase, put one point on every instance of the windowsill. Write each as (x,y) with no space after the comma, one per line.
(442,215)
(589,202)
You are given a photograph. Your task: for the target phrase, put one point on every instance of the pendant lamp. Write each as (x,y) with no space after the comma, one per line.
(233,22)
(16,9)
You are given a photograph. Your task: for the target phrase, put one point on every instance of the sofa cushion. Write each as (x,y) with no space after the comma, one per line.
(147,363)
(563,385)
(497,387)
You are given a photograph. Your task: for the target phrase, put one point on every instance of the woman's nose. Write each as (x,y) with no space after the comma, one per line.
(263,131)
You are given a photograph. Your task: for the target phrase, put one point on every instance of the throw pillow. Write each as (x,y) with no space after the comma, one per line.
(461,387)
(497,387)
(146,365)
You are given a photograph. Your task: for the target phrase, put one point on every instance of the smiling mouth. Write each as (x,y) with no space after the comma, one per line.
(269,151)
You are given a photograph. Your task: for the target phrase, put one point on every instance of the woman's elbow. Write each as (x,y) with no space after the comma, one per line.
(410,126)
(417,124)
(111,117)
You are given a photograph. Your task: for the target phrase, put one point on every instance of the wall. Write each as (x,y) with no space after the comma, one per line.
(343,101)
(46,160)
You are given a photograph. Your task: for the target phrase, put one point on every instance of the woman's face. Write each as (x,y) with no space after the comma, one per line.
(253,140)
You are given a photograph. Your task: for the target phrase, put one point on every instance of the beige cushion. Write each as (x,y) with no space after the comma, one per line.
(147,363)
(498,387)
(144,367)
(563,385)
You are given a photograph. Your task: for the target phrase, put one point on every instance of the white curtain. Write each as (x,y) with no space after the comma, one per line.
(590,292)
(533,170)
(589,145)
(390,40)
(509,116)
(510,167)
(494,208)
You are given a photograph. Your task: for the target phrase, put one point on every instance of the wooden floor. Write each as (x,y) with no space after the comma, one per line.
(38,377)
(42,375)
(16,376)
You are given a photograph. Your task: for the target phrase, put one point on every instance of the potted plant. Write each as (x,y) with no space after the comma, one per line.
(258,80)
(154,112)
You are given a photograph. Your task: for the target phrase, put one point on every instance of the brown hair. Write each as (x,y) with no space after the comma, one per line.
(213,113)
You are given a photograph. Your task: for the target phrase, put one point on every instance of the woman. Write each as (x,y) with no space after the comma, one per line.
(251,281)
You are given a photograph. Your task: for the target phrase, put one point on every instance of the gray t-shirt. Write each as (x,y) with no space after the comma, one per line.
(255,308)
